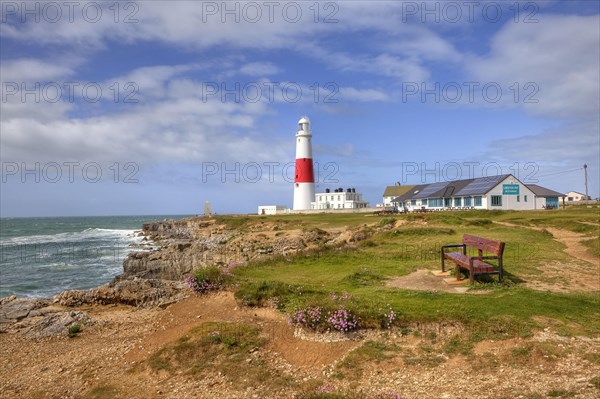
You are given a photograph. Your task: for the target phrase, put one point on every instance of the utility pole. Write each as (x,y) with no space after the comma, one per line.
(587,197)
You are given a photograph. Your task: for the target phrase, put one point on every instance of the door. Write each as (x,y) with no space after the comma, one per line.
(552,202)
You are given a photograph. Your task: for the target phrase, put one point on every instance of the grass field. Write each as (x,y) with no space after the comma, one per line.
(500,311)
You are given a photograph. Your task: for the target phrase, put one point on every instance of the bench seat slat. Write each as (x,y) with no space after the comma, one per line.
(458,257)
(463,260)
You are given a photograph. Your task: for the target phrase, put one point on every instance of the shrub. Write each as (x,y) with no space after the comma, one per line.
(74,330)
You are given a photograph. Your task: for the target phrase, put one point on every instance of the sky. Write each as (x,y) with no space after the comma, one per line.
(154,107)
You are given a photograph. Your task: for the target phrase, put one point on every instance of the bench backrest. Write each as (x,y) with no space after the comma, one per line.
(483,244)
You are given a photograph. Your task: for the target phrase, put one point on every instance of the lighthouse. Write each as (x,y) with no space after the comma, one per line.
(304,181)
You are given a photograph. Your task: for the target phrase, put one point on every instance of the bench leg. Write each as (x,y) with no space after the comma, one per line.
(501,274)
(471,277)
(457,272)
(443,265)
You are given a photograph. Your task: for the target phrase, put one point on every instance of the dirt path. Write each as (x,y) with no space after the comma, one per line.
(574,276)
(570,239)
(180,318)
(574,246)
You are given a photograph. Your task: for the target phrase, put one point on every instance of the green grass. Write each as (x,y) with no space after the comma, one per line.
(560,393)
(370,351)
(219,347)
(593,246)
(504,310)
(459,345)
(102,392)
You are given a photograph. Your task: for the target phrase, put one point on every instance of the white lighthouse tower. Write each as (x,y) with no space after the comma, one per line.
(304,181)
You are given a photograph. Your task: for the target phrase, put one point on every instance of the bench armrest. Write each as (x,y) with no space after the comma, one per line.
(454,246)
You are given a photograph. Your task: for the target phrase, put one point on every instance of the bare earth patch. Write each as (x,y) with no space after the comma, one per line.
(423,280)
(109,359)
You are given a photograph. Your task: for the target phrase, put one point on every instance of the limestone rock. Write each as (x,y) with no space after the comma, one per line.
(128,291)
(57,323)
(18,309)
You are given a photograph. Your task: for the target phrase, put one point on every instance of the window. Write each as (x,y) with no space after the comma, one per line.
(447,202)
(518,198)
(478,201)
(424,201)
(496,200)
(436,202)
(468,201)
(525,198)
(413,202)
(457,201)
(570,199)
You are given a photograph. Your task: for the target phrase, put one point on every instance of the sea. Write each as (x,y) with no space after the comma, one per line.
(42,256)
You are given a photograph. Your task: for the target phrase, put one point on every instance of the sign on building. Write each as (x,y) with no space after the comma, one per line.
(510,189)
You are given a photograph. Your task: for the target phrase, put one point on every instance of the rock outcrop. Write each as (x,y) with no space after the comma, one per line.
(189,244)
(35,318)
(132,291)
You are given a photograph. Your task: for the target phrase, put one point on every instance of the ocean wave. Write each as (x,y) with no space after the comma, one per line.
(89,234)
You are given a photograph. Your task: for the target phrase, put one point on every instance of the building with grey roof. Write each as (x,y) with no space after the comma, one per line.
(490,192)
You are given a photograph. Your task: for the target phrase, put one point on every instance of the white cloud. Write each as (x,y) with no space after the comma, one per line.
(33,70)
(259,69)
(573,141)
(362,95)
(196,26)
(560,54)
(152,81)
(186,129)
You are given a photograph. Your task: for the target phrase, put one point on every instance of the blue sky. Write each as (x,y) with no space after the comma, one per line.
(154,107)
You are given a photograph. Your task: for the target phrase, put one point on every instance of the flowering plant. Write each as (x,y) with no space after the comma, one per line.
(389,316)
(342,320)
(210,278)
(310,317)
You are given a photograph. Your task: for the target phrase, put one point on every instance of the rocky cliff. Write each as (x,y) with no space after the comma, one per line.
(154,277)
(192,243)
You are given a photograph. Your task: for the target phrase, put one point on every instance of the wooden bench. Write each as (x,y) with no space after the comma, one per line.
(475,264)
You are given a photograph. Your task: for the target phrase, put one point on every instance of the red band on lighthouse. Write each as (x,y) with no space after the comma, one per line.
(304,171)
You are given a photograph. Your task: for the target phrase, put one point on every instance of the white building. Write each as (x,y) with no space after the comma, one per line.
(272,209)
(546,198)
(504,192)
(574,196)
(393,192)
(339,199)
